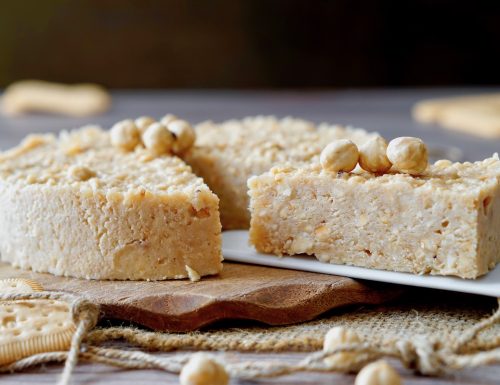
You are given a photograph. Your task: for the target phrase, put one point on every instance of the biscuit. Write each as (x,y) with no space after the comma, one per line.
(30,327)
(477,115)
(19,285)
(38,96)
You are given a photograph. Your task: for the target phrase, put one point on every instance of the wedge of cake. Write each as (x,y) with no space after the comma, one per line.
(445,221)
(225,155)
(76,205)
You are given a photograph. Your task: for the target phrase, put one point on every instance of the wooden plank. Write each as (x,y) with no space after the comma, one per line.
(273,296)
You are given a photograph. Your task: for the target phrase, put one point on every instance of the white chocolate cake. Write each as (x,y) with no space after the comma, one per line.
(445,221)
(225,155)
(77,206)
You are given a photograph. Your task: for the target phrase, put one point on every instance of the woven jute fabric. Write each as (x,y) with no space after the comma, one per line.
(429,332)
(422,313)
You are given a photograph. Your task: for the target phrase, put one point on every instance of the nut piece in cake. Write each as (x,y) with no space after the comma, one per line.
(442,222)
(226,154)
(102,213)
(335,338)
(80,173)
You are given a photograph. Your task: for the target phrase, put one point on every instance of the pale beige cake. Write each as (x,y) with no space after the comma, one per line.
(473,114)
(445,222)
(225,155)
(76,206)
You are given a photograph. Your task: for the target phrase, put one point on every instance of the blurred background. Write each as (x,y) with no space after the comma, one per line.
(251,43)
(351,62)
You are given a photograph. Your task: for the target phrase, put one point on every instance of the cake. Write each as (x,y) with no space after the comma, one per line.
(445,221)
(225,155)
(473,114)
(75,205)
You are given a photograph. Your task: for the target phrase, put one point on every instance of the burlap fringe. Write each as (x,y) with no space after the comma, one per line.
(423,354)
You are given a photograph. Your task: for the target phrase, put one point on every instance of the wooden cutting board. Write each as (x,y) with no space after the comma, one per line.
(270,295)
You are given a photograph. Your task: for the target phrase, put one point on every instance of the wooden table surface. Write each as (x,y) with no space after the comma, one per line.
(386,111)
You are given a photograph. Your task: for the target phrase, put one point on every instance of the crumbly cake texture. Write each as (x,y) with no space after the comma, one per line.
(76,206)
(444,222)
(225,155)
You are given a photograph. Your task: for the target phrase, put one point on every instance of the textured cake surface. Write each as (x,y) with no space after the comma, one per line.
(228,153)
(444,222)
(74,205)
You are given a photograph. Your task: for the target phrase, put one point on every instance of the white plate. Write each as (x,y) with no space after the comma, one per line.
(236,248)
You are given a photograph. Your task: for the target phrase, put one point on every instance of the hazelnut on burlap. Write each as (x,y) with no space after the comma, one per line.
(338,336)
(378,373)
(203,370)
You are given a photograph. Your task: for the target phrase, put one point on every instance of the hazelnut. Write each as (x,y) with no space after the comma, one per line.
(378,373)
(143,122)
(340,155)
(408,155)
(336,337)
(167,119)
(125,135)
(184,135)
(373,156)
(158,139)
(203,370)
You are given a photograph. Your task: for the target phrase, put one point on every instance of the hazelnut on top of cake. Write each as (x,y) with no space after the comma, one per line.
(445,220)
(227,154)
(87,204)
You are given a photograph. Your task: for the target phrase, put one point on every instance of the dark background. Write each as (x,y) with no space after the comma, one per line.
(251,44)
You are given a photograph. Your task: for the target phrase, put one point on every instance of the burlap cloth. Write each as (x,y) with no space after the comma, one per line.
(422,313)
(432,332)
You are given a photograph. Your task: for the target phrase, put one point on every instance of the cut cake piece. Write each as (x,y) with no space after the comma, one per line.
(225,155)
(76,206)
(473,114)
(445,222)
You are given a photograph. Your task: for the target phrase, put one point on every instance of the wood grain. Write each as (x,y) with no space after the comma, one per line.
(273,296)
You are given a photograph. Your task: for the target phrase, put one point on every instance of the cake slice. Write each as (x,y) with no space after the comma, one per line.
(445,221)
(74,205)
(225,155)
(473,114)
